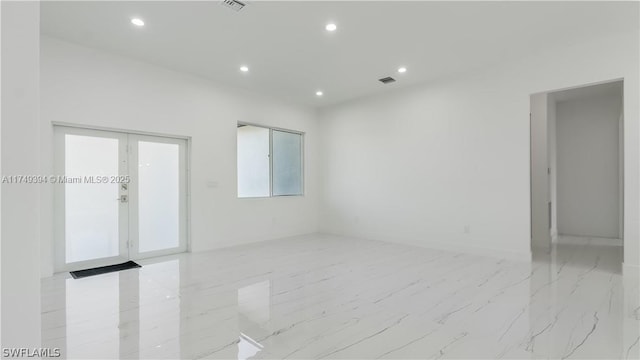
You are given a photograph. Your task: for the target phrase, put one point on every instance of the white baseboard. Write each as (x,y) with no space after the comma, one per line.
(488,252)
(452,247)
(630,270)
(237,243)
(436,245)
(586,240)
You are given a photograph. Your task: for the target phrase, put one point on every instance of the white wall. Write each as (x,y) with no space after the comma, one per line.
(553,164)
(621,125)
(92,88)
(20,207)
(588,173)
(540,189)
(425,164)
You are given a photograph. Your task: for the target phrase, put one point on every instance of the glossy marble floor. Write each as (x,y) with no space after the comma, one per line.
(328,297)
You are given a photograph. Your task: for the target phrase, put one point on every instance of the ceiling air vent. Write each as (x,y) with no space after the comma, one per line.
(233,4)
(387,80)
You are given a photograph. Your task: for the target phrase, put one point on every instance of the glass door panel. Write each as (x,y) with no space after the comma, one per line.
(159,196)
(91,220)
(158,223)
(91,209)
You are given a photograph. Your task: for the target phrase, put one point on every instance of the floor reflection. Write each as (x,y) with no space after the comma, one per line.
(247,347)
(329,297)
(254,312)
(254,301)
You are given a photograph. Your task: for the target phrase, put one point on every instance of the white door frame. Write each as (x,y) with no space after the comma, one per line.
(621,157)
(128,249)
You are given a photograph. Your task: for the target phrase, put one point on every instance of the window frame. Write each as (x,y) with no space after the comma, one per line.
(302,160)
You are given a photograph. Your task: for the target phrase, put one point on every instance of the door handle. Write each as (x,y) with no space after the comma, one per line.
(123,198)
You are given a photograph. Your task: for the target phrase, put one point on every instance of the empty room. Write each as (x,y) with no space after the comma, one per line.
(320,179)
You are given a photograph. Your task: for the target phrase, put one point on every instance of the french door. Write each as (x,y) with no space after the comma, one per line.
(118,197)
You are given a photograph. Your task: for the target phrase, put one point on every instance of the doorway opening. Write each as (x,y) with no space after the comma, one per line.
(118,196)
(577,170)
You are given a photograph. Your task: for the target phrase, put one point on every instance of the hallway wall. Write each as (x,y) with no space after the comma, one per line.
(588,168)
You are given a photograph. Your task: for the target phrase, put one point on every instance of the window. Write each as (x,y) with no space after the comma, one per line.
(269,162)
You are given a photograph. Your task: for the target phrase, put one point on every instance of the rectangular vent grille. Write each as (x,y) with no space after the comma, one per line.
(387,80)
(233,4)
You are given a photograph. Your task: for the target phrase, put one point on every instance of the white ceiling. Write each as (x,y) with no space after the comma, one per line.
(290,54)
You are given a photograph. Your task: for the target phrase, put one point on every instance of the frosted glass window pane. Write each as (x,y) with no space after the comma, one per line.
(158,196)
(253,161)
(287,163)
(91,210)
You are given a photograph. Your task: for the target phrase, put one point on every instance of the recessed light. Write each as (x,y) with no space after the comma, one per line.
(331,27)
(244,68)
(137,22)
(319,93)
(402,70)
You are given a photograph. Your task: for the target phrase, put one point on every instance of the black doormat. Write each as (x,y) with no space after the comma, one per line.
(104,269)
